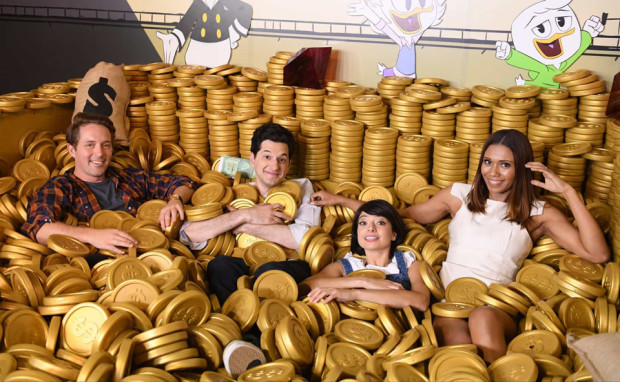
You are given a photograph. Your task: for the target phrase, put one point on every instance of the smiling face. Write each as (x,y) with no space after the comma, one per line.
(374,233)
(271,164)
(550,36)
(498,171)
(410,17)
(92,153)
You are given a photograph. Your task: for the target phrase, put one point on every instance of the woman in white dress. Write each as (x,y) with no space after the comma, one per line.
(377,231)
(495,222)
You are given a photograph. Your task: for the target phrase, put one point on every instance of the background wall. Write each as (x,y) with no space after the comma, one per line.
(53,40)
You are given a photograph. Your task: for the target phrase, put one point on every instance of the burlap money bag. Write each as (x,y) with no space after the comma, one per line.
(104,90)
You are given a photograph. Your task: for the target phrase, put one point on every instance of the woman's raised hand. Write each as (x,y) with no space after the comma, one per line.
(552,182)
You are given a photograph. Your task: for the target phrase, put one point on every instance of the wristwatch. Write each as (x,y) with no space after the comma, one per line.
(176,197)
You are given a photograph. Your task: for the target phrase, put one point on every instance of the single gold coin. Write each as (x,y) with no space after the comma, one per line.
(67,246)
(286,200)
(360,333)
(452,309)
(193,307)
(539,279)
(514,367)
(293,341)
(80,326)
(277,285)
(463,290)
(243,307)
(351,358)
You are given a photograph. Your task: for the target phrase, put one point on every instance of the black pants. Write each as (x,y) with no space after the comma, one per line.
(223,272)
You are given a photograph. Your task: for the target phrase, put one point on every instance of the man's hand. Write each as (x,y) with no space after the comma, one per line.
(265,213)
(593,26)
(111,239)
(325,198)
(171,45)
(170,213)
(502,50)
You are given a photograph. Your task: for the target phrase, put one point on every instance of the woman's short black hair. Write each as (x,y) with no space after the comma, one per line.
(273,132)
(382,208)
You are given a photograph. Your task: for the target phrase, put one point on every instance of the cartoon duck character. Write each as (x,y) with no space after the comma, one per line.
(403,21)
(214,27)
(547,41)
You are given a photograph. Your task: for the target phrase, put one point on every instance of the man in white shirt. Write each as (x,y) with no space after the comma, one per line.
(271,152)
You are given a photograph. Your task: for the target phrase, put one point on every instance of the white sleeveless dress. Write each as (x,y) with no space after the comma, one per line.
(485,246)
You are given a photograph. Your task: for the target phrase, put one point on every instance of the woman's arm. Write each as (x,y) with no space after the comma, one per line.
(418,297)
(434,209)
(587,241)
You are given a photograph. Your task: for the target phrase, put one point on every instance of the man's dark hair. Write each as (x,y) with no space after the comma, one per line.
(81,119)
(273,132)
(382,208)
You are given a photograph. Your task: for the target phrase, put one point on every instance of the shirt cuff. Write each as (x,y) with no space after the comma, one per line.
(194,246)
(298,231)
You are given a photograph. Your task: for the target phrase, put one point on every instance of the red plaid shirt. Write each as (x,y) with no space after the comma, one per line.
(68,194)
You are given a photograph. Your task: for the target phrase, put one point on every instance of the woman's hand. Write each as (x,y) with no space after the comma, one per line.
(370,283)
(325,198)
(326,295)
(552,182)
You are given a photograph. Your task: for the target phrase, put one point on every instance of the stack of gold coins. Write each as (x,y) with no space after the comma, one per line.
(449,162)
(549,129)
(536,110)
(539,151)
(390,87)
(435,82)
(600,175)
(413,154)
(557,102)
(405,116)
(486,96)
(475,152)
(136,112)
(133,73)
(188,71)
(336,108)
(190,97)
(379,156)
(248,101)
(509,118)
(314,148)
(580,82)
(332,86)
(163,122)
(138,89)
(592,108)
(614,202)
(459,93)
(345,161)
(566,161)
(161,74)
(279,100)
(612,135)
(243,83)
(12,104)
(162,92)
(473,125)
(221,130)
(309,103)
(293,125)
(246,131)
(194,135)
(210,82)
(437,125)
(52,88)
(275,67)
(593,133)
(221,99)
(40,103)
(369,109)
(257,75)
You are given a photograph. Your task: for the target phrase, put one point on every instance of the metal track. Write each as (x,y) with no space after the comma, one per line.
(606,45)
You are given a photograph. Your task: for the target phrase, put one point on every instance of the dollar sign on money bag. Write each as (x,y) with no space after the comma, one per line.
(97,92)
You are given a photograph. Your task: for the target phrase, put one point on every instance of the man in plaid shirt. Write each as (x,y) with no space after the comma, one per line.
(94,186)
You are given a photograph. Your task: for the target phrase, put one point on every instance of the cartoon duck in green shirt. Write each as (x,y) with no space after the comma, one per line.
(547,41)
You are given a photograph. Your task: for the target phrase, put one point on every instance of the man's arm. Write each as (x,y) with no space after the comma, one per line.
(276,233)
(168,214)
(110,239)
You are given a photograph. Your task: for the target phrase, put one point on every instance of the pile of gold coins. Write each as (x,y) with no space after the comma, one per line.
(149,315)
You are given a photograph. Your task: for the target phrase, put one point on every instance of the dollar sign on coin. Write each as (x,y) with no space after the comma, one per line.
(97,92)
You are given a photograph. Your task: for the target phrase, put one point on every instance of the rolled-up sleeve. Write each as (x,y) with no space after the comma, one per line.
(308,215)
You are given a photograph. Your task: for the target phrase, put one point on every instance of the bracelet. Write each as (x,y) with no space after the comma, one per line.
(176,197)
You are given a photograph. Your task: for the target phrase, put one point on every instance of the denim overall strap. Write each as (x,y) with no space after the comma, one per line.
(346,265)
